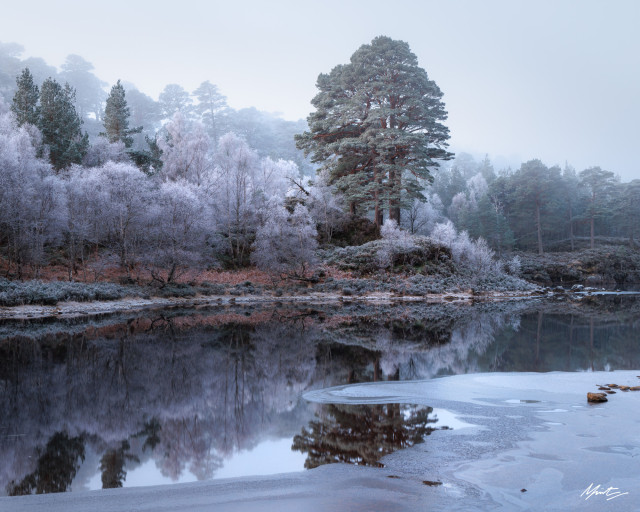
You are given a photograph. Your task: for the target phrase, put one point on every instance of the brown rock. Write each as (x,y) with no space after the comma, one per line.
(624,388)
(610,392)
(634,388)
(597,397)
(614,386)
(604,388)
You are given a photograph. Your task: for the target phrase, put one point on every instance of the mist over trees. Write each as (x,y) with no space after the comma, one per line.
(188,182)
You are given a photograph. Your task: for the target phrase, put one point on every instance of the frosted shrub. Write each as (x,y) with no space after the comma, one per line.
(444,233)
(514,266)
(103,151)
(394,240)
(286,243)
(476,255)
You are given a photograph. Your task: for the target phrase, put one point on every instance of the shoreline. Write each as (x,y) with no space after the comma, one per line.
(74,309)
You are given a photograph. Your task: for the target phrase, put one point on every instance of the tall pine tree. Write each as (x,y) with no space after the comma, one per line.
(60,125)
(116,117)
(25,100)
(378,127)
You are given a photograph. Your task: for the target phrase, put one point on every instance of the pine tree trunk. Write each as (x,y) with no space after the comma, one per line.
(539,229)
(376,199)
(592,233)
(573,248)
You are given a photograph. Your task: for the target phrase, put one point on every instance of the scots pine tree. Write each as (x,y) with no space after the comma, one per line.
(378,127)
(25,100)
(211,106)
(60,125)
(116,117)
(599,185)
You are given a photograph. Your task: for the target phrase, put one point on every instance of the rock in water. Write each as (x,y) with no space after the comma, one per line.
(597,397)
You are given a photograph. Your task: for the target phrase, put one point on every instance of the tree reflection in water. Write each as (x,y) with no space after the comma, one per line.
(112,465)
(187,389)
(362,434)
(55,469)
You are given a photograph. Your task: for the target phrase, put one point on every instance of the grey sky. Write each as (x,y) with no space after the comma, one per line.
(556,80)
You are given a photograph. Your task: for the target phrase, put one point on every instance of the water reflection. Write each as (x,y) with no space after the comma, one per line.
(362,434)
(55,469)
(186,390)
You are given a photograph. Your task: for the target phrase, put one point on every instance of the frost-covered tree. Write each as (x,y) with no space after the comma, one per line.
(394,240)
(236,168)
(378,127)
(85,231)
(271,183)
(180,222)
(122,195)
(474,256)
(185,150)
(326,206)
(420,216)
(31,208)
(286,243)
(25,100)
(103,151)
(60,125)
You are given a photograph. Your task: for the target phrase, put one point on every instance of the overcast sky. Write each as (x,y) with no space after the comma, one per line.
(556,80)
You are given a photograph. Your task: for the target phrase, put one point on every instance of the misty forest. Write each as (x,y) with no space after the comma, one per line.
(190,291)
(98,176)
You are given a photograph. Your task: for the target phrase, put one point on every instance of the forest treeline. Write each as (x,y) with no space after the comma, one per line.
(535,207)
(186,181)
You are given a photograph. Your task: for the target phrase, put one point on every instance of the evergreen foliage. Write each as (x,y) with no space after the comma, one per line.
(116,117)
(60,125)
(378,127)
(211,107)
(25,100)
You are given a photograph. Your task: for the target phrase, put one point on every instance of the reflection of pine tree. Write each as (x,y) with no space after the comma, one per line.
(151,433)
(362,434)
(112,465)
(56,467)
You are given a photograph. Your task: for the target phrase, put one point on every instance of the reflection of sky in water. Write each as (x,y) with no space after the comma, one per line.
(449,419)
(269,457)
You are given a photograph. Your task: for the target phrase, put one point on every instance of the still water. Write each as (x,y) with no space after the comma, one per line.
(180,395)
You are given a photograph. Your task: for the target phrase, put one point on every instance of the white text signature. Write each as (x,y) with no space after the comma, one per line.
(596,490)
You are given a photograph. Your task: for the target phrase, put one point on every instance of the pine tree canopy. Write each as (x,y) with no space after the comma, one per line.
(25,101)
(116,117)
(60,125)
(378,127)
